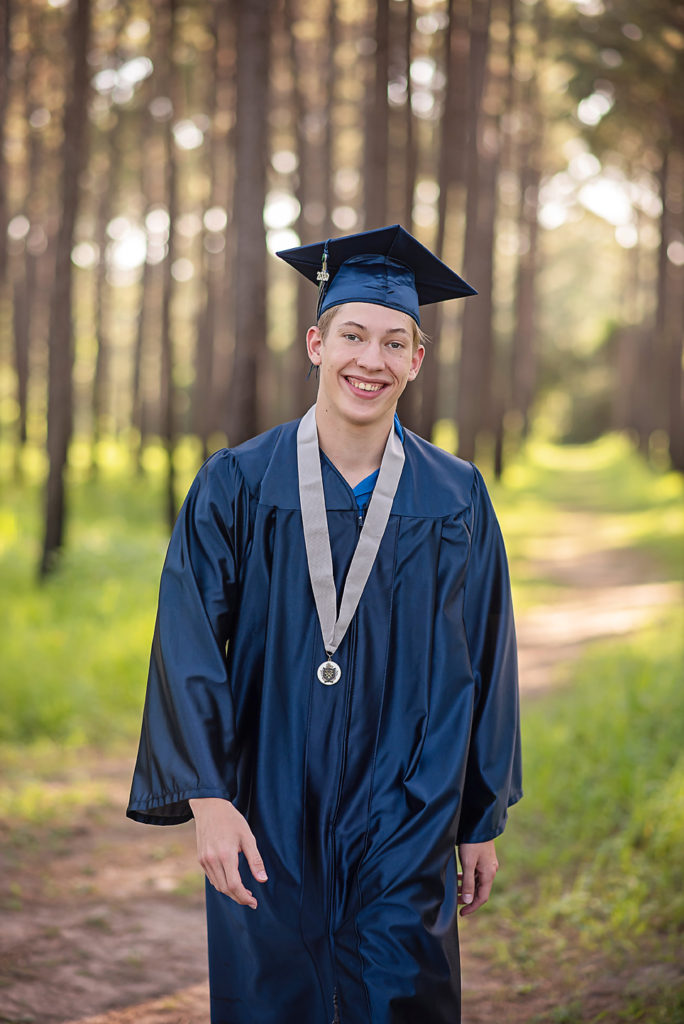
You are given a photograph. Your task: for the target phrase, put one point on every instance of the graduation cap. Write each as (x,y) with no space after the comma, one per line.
(386,266)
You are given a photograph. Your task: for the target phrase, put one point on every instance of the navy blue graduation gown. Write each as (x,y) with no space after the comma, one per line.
(356,793)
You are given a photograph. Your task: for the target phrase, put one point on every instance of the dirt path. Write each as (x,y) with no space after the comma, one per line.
(100,916)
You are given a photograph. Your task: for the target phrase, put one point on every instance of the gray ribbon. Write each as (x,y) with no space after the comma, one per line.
(317,539)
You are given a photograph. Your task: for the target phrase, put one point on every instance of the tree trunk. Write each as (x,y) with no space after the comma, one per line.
(251,136)
(475,409)
(674,334)
(650,376)
(449,175)
(21,327)
(376,141)
(411,149)
(500,378)
(299,54)
(329,137)
(60,341)
(676,388)
(410,401)
(26,293)
(137,413)
(477,324)
(104,215)
(5,56)
(523,357)
(204,359)
(149,290)
(167,388)
(223,341)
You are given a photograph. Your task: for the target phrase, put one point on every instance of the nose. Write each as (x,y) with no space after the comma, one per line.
(371,356)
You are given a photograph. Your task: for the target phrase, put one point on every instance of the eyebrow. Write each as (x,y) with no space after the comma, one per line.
(392,330)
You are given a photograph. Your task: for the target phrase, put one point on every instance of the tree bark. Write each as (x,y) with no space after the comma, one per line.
(523,354)
(674,320)
(411,150)
(450,170)
(327,156)
(137,409)
(60,341)
(377,141)
(410,401)
(104,215)
(251,136)
(167,388)
(21,321)
(224,170)
(523,360)
(204,361)
(676,387)
(149,286)
(299,53)
(5,57)
(477,327)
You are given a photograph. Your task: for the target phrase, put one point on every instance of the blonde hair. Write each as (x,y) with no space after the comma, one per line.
(326,318)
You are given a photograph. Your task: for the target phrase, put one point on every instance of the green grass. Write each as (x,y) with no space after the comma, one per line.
(592,855)
(595,844)
(592,884)
(626,505)
(75,650)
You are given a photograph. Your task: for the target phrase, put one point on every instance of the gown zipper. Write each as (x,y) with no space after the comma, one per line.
(333,820)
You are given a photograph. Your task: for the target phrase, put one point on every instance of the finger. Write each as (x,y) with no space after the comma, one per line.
(253,857)
(479,900)
(239,893)
(467,885)
(482,892)
(223,874)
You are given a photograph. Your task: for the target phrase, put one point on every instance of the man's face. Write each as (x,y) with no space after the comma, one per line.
(366,360)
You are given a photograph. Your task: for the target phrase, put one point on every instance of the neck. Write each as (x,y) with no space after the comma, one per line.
(355,449)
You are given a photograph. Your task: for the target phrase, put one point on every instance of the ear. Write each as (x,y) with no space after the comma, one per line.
(314,342)
(416,362)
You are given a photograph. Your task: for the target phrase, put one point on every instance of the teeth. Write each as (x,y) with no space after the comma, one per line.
(363,386)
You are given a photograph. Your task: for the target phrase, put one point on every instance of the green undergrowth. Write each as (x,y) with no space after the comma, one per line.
(75,649)
(592,855)
(599,497)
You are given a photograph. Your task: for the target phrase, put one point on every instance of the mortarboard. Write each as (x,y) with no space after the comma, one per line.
(386,266)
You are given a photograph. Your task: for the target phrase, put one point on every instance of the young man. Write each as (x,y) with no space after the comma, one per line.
(333,682)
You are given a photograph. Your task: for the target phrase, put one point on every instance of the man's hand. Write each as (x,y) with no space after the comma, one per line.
(222,833)
(480,865)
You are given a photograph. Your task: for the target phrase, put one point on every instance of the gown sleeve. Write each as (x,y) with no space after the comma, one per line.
(187,740)
(493,778)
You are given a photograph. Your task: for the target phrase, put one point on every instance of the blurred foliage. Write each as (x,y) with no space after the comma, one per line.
(75,651)
(603,495)
(603,815)
(586,94)
(591,856)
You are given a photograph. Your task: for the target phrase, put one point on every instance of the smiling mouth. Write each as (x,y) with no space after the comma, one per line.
(363,385)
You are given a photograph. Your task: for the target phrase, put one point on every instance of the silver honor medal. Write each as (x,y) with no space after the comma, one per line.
(329,673)
(317,539)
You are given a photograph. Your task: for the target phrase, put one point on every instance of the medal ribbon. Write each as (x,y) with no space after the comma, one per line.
(317,538)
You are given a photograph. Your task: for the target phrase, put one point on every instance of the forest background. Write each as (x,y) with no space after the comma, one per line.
(154,154)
